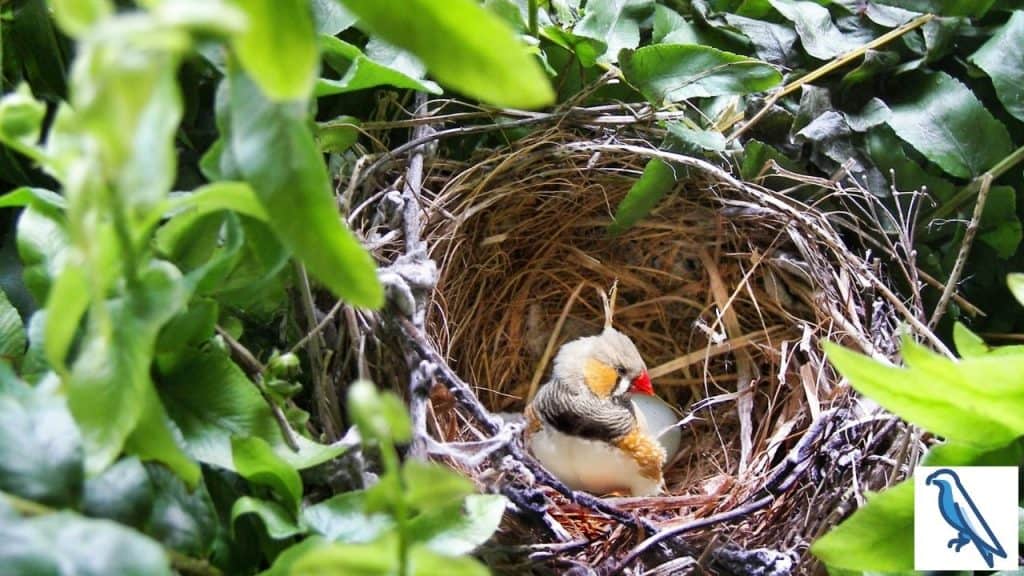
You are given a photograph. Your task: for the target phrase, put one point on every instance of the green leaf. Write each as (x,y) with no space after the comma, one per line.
(379,558)
(40,447)
(65,544)
(1016,284)
(122,493)
(278,156)
(65,306)
(280,523)
(772,42)
(945,122)
(979,401)
(77,16)
(12,331)
(1002,58)
(42,246)
(342,518)
(818,34)
(153,439)
(461,527)
(256,462)
(331,18)
(278,48)
(41,199)
(338,135)
(182,518)
(695,140)
(210,400)
(973,8)
(426,562)
(430,485)
(21,118)
(235,196)
(379,416)
(1000,227)
(968,344)
(388,66)
(614,23)
(674,72)
(189,328)
(484,60)
(887,153)
(878,537)
(658,179)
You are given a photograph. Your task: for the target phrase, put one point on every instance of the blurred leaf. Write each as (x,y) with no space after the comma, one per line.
(974,8)
(42,246)
(40,448)
(483,60)
(12,331)
(945,122)
(657,180)
(968,344)
(1016,284)
(362,71)
(236,196)
(818,34)
(256,462)
(189,328)
(1000,227)
(338,135)
(586,49)
(773,43)
(429,485)
(278,48)
(210,400)
(426,562)
(614,23)
(182,519)
(153,439)
(65,306)
(77,16)
(979,401)
(21,118)
(342,518)
(122,493)
(276,151)
(378,558)
(330,17)
(379,416)
(65,544)
(283,563)
(674,72)
(461,527)
(46,201)
(38,55)
(276,519)
(878,537)
(1002,58)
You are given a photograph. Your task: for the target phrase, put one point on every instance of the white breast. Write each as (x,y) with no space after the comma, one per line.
(590,465)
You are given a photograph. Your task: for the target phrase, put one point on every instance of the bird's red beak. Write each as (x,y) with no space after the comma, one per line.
(642,384)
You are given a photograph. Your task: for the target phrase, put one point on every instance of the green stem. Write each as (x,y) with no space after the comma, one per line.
(534,5)
(972,188)
(392,467)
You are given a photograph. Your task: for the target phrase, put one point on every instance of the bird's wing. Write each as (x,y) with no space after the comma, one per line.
(975,526)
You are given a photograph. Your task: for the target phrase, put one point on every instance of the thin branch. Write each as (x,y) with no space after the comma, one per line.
(973,187)
(965,250)
(324,395)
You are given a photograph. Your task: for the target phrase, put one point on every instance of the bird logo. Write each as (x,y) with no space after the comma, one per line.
(959,511)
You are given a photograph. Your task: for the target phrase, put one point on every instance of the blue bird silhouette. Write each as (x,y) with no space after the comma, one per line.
(959,511)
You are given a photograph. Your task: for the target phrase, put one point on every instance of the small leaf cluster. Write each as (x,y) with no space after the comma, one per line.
(976,404)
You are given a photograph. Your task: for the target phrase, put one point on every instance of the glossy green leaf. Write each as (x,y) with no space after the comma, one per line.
(658,179)
(1016,285)
(182,518)
(461,527)
(278,47)
(12,331)
(430,485)
(342,518)
(818,34)
(887,152)
(40,448)
(979,401)
(484,60)
(279,523)
(1002,58)
(674,72)
(772,42)
(256,462)
(614,23)
(388,66)
(945,122)
(278,156)
(77,16)
(210,400)
(878,537)
(122,493)
(65,544)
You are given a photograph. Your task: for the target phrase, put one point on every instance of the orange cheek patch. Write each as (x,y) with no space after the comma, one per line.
(600,377)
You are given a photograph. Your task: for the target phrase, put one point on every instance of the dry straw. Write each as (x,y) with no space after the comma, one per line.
(728,288)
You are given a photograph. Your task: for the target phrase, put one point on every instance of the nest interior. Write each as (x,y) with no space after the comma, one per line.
(727,293)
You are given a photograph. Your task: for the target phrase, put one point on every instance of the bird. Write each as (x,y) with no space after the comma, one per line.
(959,511)
(583,427)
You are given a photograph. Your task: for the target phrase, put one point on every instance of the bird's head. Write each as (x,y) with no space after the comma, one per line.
(940,478)
(609,365)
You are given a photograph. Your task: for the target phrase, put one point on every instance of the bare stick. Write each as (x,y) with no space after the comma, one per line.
(324,395)
(965,249)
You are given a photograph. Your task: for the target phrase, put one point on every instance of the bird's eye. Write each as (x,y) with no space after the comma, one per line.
(620,370)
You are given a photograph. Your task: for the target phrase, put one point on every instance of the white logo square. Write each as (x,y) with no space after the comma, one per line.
(965,518)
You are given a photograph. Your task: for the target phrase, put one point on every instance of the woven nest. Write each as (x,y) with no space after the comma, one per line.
(728,290)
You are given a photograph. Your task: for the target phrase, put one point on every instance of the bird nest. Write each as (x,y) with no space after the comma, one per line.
(728,290)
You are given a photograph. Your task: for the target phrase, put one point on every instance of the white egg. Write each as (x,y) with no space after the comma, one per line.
(657,416)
